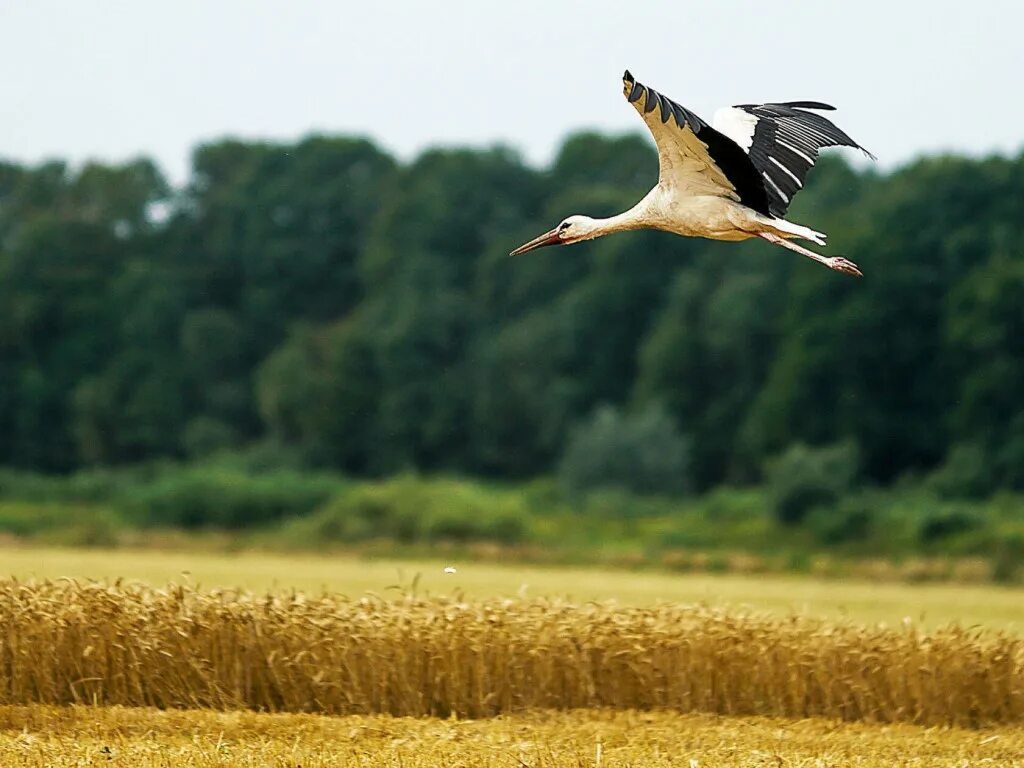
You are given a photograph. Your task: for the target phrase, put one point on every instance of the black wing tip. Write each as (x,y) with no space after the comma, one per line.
(808,105)
(631,89)
(789,105)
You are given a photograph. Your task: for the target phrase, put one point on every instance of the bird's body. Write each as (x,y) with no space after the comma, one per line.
(731,181)
(702,215)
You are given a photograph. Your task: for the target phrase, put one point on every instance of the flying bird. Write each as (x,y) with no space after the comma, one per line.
(731,180)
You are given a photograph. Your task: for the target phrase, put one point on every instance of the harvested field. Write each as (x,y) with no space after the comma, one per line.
(72,643)
(53,737)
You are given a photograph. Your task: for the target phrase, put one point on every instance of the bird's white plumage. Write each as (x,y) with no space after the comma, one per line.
(732,180)
(684,162)
(686,165)
(736,124)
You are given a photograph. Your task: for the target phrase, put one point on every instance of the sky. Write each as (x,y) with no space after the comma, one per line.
(115,79)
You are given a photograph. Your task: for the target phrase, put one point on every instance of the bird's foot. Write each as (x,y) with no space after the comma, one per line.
(847,267)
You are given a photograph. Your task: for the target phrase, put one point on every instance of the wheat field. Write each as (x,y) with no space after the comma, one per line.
(123,644)
(115,737)
(930,605)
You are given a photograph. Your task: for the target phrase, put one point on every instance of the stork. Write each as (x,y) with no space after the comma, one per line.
(732,180)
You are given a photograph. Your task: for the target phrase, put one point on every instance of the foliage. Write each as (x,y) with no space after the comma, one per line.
(224,499)
(945,523)
(641,452)
(966,473)
(847,520)
(805,478)
(70,525)
(363,314)
(318,306)
(250,498)
(409,509)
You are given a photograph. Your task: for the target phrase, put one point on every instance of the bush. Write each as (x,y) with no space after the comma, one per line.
(642,453)
(72,525)
(965,474)
(93,485)
(222,499)
(205,435)
(804,478)
(618,504)
(104,486)
(849,520)
(1008,560)
(944,523)
(409,509)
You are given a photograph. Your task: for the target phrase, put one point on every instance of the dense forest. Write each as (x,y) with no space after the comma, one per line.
(324,301)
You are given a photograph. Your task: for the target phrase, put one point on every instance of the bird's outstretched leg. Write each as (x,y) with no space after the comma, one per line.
(838,263)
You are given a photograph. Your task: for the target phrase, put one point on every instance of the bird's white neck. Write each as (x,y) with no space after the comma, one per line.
(634,218)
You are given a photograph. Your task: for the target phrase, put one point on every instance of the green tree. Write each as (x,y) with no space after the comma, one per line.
(985,334)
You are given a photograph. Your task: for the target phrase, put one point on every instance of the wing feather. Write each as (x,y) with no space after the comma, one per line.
(695,158)
(782,141)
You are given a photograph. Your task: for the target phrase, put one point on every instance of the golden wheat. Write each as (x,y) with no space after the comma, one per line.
(868,602)
(51,737)
(68,642)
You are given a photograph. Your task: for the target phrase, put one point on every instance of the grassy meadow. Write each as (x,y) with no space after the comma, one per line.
(930,605)
(906,534)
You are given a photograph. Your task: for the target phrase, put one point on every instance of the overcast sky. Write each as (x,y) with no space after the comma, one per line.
(112,79)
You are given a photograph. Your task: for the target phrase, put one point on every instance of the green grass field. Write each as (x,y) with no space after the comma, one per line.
(931,604)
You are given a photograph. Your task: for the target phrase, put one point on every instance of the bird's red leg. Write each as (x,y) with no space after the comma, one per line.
(838,263)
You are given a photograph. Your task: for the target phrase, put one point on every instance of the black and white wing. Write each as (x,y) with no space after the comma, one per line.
(782,141)
(695,158)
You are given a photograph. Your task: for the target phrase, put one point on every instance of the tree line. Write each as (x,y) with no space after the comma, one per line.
(321,301)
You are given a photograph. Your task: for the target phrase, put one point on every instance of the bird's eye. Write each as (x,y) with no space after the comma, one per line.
(565,226)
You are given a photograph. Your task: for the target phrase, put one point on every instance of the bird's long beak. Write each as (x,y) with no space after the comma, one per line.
(548,238)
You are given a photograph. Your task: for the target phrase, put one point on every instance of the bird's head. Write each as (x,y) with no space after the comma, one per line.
(571,230)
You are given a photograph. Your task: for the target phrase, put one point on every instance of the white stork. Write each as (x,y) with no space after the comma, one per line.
(730,181)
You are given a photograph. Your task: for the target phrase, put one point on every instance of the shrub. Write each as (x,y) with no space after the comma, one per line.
(205,435)
(944,523)
(1009,457)
(965,474)
(803,478)
(643,453)
(259,457)
(222,499)
(619,504)
(409,509)
(1008,559)
(849,520)
(103,486)
(60,523)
